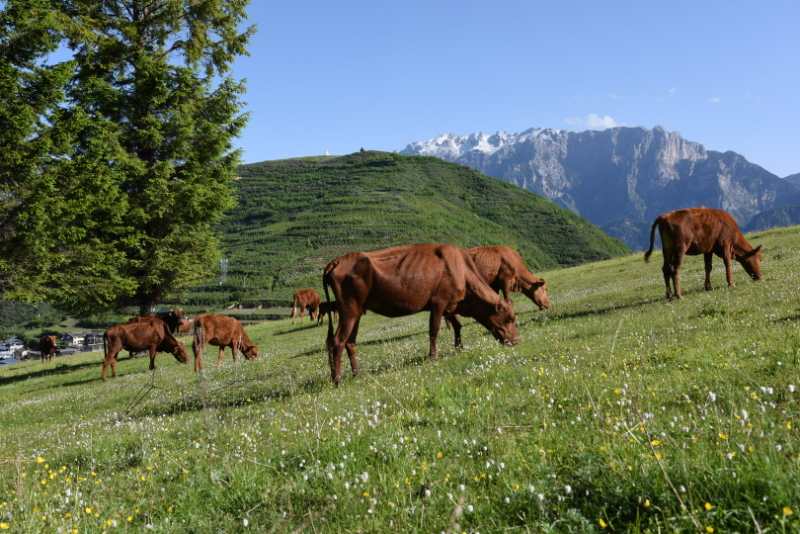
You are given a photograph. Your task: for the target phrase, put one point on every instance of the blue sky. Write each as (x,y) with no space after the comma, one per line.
(337,76)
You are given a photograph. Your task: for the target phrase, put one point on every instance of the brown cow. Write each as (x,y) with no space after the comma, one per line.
(305,299)
(704,231)
(222,331)
(505,271)
(324,308)
(47,347)
(405,280)
(148,333)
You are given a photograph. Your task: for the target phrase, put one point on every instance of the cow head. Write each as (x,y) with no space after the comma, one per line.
(180,353)
(537,292)
(499,319)
(751,261)
(250,352)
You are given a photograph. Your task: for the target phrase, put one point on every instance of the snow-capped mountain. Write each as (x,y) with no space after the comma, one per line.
(620,178)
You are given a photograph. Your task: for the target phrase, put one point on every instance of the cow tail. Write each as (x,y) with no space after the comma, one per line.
(198,341)
(326,279)
(105,346)
(652,239)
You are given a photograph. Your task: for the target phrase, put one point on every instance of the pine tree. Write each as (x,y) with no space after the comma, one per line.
(160,71)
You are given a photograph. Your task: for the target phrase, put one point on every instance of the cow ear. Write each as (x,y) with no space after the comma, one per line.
(757,250)
(539,283)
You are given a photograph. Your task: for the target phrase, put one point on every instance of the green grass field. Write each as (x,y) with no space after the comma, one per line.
(618,412)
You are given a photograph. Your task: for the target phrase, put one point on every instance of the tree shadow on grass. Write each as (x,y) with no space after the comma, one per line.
(61,369)
(299,329)
(380,341)
(555,316)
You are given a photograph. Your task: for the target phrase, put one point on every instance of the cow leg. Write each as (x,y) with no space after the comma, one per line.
(728,268)
(351,348)
(337,344)
(434,323)
(676,275)
(506,289)
(667,270)
(220,356)
(708,257)
(152,353)
(452,320)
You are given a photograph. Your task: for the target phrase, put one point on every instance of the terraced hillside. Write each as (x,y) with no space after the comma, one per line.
(618,412)
(295,215)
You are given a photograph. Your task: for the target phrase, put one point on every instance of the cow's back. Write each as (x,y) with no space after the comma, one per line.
(700,229)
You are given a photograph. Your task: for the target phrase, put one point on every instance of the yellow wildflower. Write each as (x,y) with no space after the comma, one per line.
(709,529)
(655,442)
(439,455)
(723,436)
(708,506)
(787,511)
(365,494)
(39,460)
(4,526)
(88,510)
(647,503)
(602,523)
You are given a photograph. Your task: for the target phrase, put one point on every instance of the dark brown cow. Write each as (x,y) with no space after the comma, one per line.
(405,280)
(324,308)
(173,318)
(505,271)
(222,331)
(305,299)
(47,347)
(147,333)
(704,231)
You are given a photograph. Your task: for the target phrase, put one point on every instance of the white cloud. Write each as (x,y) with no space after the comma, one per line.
(672,91)
(714,100)
(592,121)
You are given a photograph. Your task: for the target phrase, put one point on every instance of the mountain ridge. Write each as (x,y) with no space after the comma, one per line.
(619,178)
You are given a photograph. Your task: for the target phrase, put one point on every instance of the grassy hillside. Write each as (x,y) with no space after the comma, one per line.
(295,215)
(618,411)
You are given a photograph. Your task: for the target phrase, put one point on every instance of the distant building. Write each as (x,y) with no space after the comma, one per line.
(73,340)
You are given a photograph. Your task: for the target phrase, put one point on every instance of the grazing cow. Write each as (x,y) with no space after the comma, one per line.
(305,299)
(324,308)
(148,333)
(704,231)
(405,280)
(505,271)
(222,331)
(47,347)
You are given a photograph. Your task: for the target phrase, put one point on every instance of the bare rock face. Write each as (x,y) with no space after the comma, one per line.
(621,178)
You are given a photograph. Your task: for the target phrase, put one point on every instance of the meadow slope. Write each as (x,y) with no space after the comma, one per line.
(619,412)
(293,216)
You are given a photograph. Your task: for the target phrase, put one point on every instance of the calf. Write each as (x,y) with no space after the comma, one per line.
(47,347)
(704,231)
(405,280)
(305,299)
(221,331)
(147,333)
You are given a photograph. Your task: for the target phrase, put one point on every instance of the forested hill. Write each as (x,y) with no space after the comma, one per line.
(295,215)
